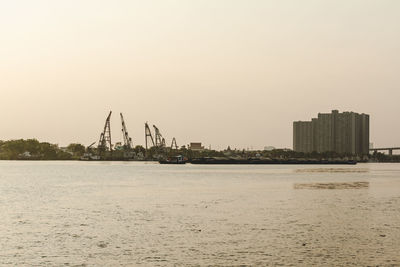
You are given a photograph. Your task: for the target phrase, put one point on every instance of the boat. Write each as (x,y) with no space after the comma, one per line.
(211,160)
(174,160)
(89,156)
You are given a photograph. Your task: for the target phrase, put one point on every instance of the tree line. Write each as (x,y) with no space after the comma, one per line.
(32,149)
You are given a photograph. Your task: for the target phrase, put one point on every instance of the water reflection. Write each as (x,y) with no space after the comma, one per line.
(94,214)
(333,185)
(333,170)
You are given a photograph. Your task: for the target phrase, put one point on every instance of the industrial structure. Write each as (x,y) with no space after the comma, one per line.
(345,133)
(174,145)
(160,140)
(105,148)
(148,136)
(388,149)
(127,139)
(105,137)
(157,141)
(155,145)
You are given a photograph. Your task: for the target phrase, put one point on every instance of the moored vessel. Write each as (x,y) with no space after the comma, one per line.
(210,160)
(174,160)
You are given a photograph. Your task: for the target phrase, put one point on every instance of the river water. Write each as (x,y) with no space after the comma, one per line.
(132,213)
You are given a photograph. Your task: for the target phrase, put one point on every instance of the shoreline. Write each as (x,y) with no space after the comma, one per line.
(272,162)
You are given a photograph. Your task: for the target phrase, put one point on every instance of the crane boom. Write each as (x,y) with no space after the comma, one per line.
(160,141)
(105,137)
(174,145)
(147,135)
(91,145)
(127,139)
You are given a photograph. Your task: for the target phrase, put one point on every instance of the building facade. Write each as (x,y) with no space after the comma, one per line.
(195,146)
(346,132)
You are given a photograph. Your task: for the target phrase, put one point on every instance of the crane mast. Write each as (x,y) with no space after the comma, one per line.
(174,145)
(148,135)
(160,141)
(127,139)
(105,137)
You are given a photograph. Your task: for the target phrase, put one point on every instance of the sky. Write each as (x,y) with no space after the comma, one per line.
(220,72)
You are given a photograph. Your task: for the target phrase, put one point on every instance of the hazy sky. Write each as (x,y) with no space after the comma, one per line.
(221,72)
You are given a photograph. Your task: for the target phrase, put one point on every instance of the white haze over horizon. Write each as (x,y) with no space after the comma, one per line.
(220,72)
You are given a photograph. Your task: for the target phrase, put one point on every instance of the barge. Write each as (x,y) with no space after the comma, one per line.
(269,161)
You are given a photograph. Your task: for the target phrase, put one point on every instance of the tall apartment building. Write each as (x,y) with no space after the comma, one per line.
(346,132)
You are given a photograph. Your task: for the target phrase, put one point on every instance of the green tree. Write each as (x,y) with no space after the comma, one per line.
(76,149)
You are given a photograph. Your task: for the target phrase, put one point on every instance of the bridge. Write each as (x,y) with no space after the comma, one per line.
(389,149)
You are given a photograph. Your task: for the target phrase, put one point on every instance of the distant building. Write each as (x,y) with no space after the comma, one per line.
(346,132)
(196,146)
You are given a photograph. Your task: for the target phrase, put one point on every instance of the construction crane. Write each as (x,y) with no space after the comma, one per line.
(105,136)
(160,141)
(90,146)
(174,145)
(127,139)
(147,135)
